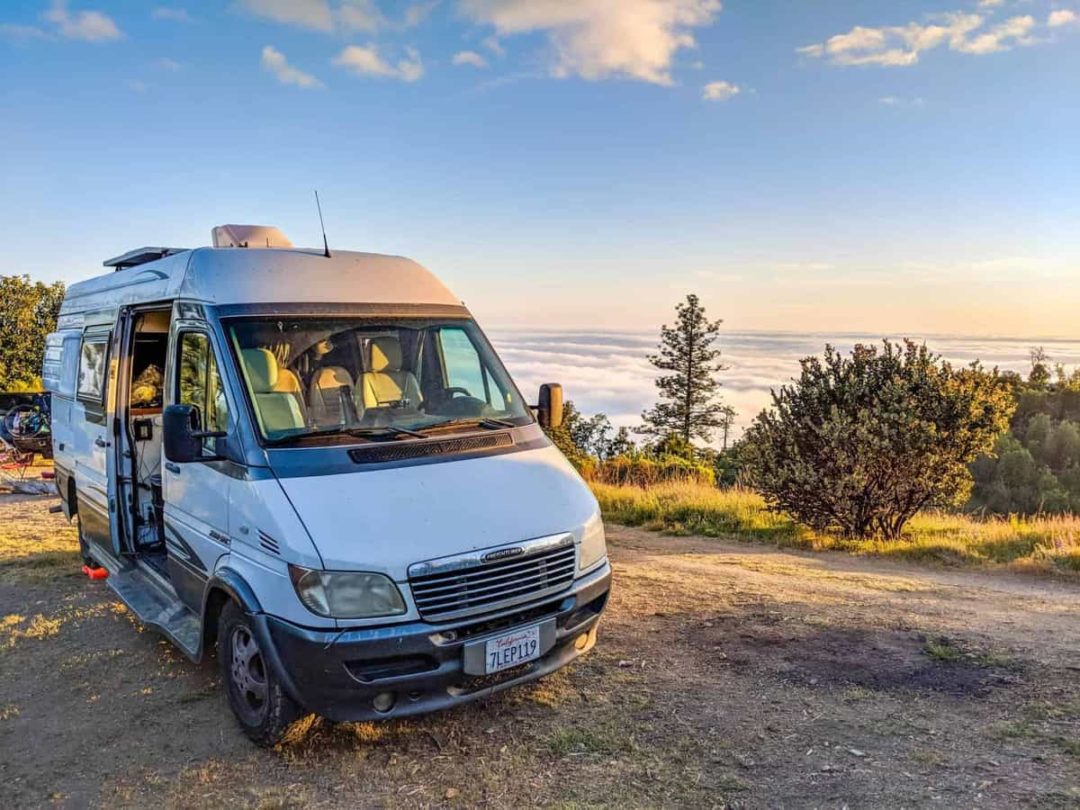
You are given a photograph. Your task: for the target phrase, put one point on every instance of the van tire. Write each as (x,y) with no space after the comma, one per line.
(263,709)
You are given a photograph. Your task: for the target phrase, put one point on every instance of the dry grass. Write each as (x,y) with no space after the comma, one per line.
(1036,543)
(35,546)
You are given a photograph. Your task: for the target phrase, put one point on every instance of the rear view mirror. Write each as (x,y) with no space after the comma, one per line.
(183,434)
(550,408)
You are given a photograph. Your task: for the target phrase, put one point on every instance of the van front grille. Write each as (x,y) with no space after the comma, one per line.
(468,586)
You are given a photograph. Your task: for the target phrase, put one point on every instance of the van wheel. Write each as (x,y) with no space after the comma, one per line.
(260,704)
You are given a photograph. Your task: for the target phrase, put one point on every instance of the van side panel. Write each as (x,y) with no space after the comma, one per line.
(59,375)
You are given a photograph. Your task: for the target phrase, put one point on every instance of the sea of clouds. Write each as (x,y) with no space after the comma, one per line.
(609,371)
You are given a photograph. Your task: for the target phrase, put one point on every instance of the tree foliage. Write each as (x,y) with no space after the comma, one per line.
(859,444)
(28,312)
(690,404)
(1035,467)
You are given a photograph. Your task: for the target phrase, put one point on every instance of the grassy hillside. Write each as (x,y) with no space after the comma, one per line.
(1037,543)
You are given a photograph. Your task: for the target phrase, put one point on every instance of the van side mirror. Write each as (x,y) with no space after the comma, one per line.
(183,434)
(550,408)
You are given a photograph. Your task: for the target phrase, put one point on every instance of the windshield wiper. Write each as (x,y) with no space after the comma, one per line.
(386,430)
(491,423)
(374,433)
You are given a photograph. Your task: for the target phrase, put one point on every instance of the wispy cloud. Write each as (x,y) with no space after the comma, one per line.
(60,22)
(367,61)
(21,33)
(1061,17)
(313,14)
(416,13)
(342,16)
(171,14)
(274,62)
(597,39)
(900,101)
(720,91)
(361,15)
(167,64)
(470,58)
(84,25)
(901,45)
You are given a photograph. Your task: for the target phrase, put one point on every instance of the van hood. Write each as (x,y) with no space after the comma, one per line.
(385,520)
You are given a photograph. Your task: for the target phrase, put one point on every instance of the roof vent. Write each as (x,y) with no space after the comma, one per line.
(143,255)
(255,236)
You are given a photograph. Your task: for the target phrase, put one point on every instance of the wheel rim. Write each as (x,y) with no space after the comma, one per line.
(247,671)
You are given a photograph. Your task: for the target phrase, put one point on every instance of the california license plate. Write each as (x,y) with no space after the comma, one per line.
(511,649)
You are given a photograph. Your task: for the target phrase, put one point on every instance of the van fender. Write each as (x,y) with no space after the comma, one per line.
(235,587)
(225,583)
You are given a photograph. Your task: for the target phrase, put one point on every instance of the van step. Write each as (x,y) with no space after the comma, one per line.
(157,605)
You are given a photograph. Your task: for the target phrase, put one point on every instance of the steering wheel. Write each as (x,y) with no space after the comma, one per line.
(448,393)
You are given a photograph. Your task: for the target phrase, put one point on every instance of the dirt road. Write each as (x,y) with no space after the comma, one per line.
(726,675)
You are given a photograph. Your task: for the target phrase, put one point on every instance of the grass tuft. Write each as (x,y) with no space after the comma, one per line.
(1038,544)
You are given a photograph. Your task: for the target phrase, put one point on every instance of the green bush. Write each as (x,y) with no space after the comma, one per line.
(858,445)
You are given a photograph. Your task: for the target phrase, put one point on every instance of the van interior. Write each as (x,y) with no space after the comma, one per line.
(141,401)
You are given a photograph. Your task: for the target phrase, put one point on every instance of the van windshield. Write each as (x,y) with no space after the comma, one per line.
(372,379)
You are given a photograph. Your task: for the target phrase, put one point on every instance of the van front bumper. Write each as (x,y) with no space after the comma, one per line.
(419,667)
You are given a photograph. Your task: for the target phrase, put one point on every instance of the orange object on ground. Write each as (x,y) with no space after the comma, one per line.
(95,573)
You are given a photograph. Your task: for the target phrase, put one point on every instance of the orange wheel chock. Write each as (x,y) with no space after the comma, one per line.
(95,573)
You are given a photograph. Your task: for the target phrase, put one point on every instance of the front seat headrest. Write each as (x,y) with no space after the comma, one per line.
(384,354)
(262,369)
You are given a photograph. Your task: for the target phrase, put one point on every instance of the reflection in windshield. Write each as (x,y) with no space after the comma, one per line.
(371,379)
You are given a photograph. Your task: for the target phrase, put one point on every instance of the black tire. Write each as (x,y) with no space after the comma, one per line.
(261,706)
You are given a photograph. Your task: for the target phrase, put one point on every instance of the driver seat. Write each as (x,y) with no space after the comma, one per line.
(385,383)
(328,386)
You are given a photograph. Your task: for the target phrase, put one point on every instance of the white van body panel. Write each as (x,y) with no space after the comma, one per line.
(385,520)
(256,276)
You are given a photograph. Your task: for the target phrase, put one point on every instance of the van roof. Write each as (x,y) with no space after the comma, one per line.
(264,276)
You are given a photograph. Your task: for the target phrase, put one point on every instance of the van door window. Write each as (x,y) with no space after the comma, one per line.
(200,383)
(92,369)
(461,364)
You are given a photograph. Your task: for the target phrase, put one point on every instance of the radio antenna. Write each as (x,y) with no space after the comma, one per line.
(318,205)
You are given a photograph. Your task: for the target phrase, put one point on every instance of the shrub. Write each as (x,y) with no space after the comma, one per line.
(858,445)
(641,471)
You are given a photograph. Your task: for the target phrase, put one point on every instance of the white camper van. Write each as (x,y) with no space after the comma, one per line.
(318,464)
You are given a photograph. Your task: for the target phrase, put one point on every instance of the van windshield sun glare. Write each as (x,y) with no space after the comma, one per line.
(371,380)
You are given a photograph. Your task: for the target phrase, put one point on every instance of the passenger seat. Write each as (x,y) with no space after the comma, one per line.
(278,410)
(328,386)
(385,383)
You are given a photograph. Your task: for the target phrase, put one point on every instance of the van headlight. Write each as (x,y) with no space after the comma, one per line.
(346,594)
(593,544)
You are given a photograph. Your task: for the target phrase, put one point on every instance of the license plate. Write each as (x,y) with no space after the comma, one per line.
(511,649)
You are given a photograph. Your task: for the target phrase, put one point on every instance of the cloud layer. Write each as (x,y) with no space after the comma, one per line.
(367,61)
(608,371)
(901,45)
(275,62)
(596,39)
(720,91)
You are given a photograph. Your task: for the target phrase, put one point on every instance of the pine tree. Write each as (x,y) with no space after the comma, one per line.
(690,405)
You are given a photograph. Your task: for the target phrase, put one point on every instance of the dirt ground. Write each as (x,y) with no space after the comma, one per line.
(726,675)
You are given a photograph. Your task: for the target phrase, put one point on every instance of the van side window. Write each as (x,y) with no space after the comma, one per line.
(200,382)
(92,368)
(462,366)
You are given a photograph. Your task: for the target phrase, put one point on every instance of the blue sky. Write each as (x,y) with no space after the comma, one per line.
(829,166)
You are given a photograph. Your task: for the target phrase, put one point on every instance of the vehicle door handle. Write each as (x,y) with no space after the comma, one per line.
(100,442)
(173,468)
